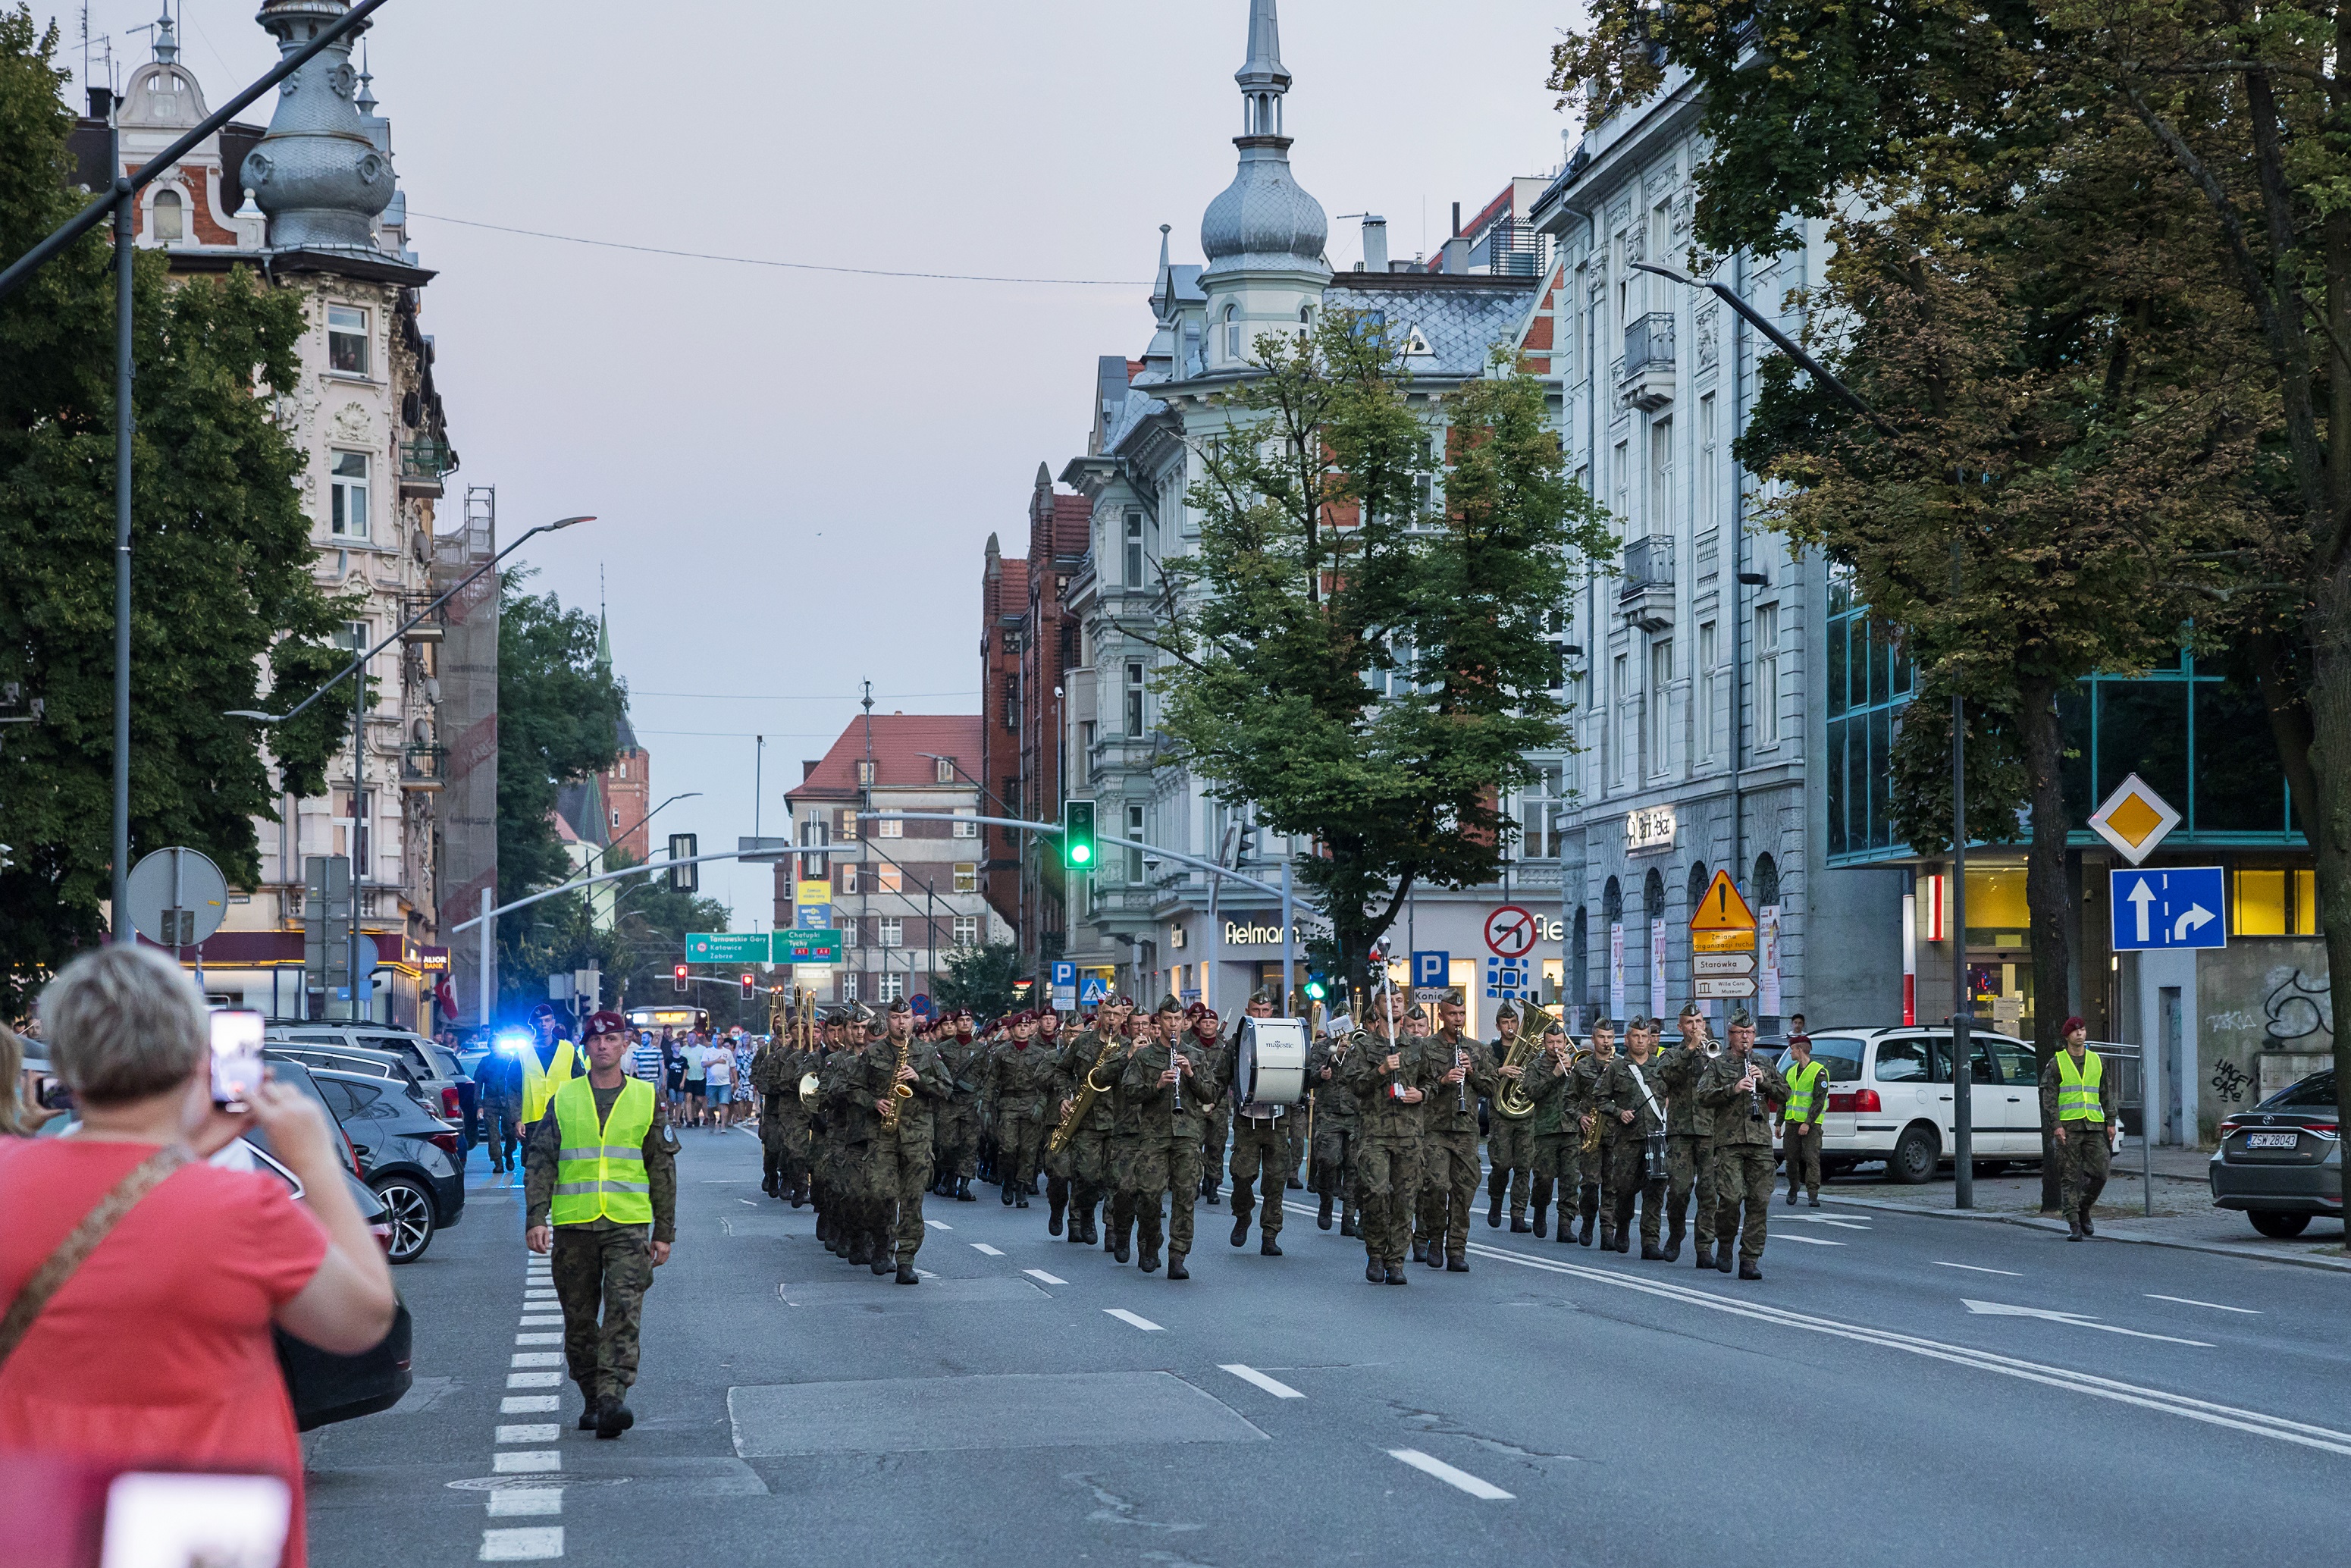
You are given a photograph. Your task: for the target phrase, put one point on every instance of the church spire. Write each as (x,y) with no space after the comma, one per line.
(1264,80)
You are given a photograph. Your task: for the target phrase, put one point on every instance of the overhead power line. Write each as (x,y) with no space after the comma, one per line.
(785,265)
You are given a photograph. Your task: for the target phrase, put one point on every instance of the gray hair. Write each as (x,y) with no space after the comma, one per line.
(124,1022)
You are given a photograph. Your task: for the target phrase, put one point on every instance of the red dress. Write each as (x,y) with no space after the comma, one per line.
(158,1348)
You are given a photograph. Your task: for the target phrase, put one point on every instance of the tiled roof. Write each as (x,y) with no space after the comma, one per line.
(1460,318)
(899,740)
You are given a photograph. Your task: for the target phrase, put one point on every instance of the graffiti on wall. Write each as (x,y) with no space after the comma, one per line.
(2297,1011)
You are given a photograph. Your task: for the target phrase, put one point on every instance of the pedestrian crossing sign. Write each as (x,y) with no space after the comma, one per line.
(1093,992)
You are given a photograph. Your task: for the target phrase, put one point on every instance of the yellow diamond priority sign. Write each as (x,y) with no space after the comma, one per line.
(2134,819)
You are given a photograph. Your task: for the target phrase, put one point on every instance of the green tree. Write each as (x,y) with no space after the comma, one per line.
(559,710)
(981,978)
(224,614)
(1325,570)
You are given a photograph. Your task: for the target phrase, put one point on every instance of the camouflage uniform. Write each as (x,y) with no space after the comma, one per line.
(1510,1151)
(853,1122)
(1689,1148)
(602,1266)
(1800,1141)
(898,1160)
(1387,1156)
(1620,1091)
(1019,1077)
(1337,1131)
(1218,1137)
(2087,1153)
(955,1124)
(1448,1176)
(1089,1146)
(1592,1176)
(1167,1151)
(1554,1138)
(1262,1147)
(1742,1153)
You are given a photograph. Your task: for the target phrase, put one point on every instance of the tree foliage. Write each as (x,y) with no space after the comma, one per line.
(645,937)
(560,711)
(981,978)
(224,614)
(1357,643)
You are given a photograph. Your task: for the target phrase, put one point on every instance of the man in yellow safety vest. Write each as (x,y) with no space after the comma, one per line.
(597,1173)
(1799,1128)
(549,1063)
(2077,1101)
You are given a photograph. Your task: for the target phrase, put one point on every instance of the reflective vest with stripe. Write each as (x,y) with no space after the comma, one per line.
(2077,1087)
(1802,1083)
(600,1172)
(540,1083)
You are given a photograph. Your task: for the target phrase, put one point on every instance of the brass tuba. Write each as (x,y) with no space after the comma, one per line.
(1512,1099)
(1083,1101)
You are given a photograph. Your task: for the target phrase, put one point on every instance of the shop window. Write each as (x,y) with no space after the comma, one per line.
(1996,899)
(2273,901)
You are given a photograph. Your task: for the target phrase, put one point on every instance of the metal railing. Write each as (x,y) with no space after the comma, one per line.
(1648,563)
(426,459)
(1648,341)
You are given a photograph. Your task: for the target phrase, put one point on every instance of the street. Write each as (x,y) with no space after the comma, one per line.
(1888,1394)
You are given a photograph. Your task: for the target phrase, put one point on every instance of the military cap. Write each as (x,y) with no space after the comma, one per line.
(605,1022)
(1690,1011)
(901,1006)
(1450,998)
(1742,1018)
(1260,998)
(1505,1011)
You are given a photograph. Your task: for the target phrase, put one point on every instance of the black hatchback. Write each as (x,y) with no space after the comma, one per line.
(407,1154)
(2282,1161)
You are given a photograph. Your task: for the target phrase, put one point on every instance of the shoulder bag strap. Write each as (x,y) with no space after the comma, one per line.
(81,1241)
(1642,1078)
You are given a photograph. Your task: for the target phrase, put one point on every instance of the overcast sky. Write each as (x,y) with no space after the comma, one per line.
(795,472)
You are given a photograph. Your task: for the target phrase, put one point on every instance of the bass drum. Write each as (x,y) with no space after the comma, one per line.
(1271,1063)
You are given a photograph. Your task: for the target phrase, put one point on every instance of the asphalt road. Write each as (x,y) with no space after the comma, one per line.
(1899,1389)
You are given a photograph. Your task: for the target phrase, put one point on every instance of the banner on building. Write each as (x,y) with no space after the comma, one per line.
(1657,1004)
(1767,937)
(1616,968)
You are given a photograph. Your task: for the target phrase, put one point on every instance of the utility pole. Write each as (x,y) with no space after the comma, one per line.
(125,211)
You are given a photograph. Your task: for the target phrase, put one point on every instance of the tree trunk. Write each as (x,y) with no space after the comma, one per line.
(2047,899)
(2326,819)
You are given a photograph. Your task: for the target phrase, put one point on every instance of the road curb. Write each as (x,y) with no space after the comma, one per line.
(2036,1222)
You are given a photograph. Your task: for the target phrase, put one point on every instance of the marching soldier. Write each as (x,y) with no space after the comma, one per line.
(1631,1097)
(1509,1144)
(1741,1089)
(1261,1144)
(1553,1134)
(1338,1121)
(1389,1074)
(1169,1085)
(768,1065)
(2077,1102)
(958,1120)
(1061,1090)
(1220,1120)
(1020,1076)
(1448,1177)
(600,1171)
(852,1125)
(1125,1139)
(1591,1068)
(1091,1053)
(899,1167)
(1689,1138)
(1808,1103)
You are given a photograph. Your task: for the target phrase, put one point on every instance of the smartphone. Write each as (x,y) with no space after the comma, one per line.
(51,1094)
(237,1057)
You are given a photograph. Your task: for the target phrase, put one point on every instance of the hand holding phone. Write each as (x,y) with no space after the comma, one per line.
(237,1069)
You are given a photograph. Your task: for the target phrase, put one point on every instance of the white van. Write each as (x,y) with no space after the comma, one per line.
(1890,1099)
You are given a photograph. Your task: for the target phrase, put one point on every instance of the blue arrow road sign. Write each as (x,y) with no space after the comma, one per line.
(2170,906)
(1431,968)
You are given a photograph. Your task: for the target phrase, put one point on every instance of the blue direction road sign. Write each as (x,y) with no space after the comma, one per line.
(2170,906)
(1431,968)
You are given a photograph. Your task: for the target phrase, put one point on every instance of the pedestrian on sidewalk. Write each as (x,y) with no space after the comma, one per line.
(1808,1103)
(600,1171)
(718,1078)
(2077,1101)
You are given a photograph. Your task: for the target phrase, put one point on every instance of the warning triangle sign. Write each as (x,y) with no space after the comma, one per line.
(1722,909)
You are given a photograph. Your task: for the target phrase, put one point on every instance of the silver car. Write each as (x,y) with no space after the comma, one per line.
(430,1067)
(2282,1161)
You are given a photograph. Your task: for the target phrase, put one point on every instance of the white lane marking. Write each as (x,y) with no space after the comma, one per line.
(533,1543)
(1430,1465)
(530,1404)
(539,1338)
(537,1462)
(1274,1386)
(1817,1220)
(1145,1325)
(526,1502)
(926,1273)
(536,1358)
(2216,1306)
(536,1319)
(938,1225)
(2161,1401)
(534,1379)
(531,1432)
(1809,1240)
(1973,1269)
(529,1295)
(2071,1320)
(1040,1274)
(746,1203)
(984,1247)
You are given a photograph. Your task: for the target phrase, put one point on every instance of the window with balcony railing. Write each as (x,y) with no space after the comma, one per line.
(1648,341)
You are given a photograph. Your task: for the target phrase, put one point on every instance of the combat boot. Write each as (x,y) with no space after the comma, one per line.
(1240,1220)
(1673,1253)
(884,1258)
(1396,1276)
(1021,1192)
(1176,1269)
(1150,1261)
(1375,1272)
(1608,1234)
(906,1275)
(1652,1253)
(611,1419)
(1004,1192)
(1722,1251)
(1058,1193)
(587,1412)
(1268,1247)
(1323,1217)
(1456,1265)
(860,1248)
(1542,1225)
(963,1190)
(1419,1250)
(1350,1223)
(1750,1271)
(1498,1186)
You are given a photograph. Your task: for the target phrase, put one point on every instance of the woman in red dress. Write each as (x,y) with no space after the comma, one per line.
(157,1348)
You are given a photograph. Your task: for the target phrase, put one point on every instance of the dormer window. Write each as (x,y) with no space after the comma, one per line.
(170,218)
(1233,333)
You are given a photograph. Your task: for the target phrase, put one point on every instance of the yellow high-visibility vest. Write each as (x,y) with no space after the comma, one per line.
(2077,1087)
(600,1172)
(540,1083)
(1801,1082)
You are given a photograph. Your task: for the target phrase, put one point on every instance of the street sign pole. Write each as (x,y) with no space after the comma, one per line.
(1963,1119)
(1289,941)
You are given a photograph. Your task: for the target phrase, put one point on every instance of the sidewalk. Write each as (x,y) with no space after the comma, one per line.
(2184,1215)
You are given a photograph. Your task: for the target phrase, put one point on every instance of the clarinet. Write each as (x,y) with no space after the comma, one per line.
(1176,1060)
(1461,1059)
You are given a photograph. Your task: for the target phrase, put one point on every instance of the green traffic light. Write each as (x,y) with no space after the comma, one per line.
(1078,834)
(1081,853)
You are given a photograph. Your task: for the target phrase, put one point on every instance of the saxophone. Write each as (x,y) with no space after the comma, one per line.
(1512,1099)
(1083,1101)
(899,1092)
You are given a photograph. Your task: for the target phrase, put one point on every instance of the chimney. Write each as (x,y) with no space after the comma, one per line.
(1456,254)
(1457,219)
(102,102)
(1375,243)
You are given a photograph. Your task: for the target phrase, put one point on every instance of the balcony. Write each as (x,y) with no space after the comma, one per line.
(1645,585)
(424,770)
(423,465)
(1645,381)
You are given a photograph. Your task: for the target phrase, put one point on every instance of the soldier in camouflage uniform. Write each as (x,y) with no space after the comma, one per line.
(1742,1090)
(1125,1138)
(847,1135)
(1020,1074)
(1510,1143)
(1057,1165)
(1448,1174)
(1220,1118)
(1592,1067)
(770,1068)
(956,1122)
(1634,1105)
(1389,1073)
(1088,1150)
(1689,1139)
(1554,1133)
(1337,1127)
(1261,1146)
(898,1164)
(1169,1084)
(602,1264)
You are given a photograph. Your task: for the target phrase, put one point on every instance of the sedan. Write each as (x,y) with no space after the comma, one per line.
(2282,1161)
(408,1156)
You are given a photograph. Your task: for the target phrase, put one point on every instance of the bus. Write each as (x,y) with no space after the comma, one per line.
(678,1019)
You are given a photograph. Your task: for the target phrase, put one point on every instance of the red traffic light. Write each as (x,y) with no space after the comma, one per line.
(677,977)
(750,987)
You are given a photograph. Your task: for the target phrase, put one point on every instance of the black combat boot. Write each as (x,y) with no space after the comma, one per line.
(1498,1186)
(1673,1253)
(1004,1192)
(1294,1185)
(1652,1253)
(1705,1256)
(1322,1216)
(1722,1256)
(1456,1265)
(1396,1276)
(1375,1272)
(1436,1251)
(906,1275)
(613,1418)
(1350,1223)
(1240,1219)
(860,1248)
(1266,1247)
(595,1402)
(1541,1196)
(884,1254)
(1750,1271)
(1151,1237)
(1518,1226)
(1419,1250)
(1022,1192)
(963,1190)
(1057,1191)
(1176,1269)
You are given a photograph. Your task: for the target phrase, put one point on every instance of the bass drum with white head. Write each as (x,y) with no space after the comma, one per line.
(1270,1067)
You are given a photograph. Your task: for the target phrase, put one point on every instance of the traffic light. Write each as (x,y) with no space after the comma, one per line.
(677,977)
(1316,989)
(1247,846)
(684,878)
(1078,835)
(750,987)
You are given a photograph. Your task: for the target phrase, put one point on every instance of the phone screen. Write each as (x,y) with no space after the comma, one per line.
(237,1057)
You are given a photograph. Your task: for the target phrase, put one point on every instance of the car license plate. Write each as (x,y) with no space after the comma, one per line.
(2271,1140)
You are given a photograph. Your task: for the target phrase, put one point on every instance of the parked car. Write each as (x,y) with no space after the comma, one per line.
(434,1068)
(1890,1099)
(2282,1161)
(410,1157)
(380,1064)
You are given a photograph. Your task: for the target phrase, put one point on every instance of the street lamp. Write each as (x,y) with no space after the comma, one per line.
(358,720)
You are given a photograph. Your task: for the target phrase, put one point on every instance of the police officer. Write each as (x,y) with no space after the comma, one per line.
(1742,1090)
(1808,1103)
(1632,1098)
(1169,1083)
(600,1171)
(1689,1139)
(2077,1102)
(1389,1071)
